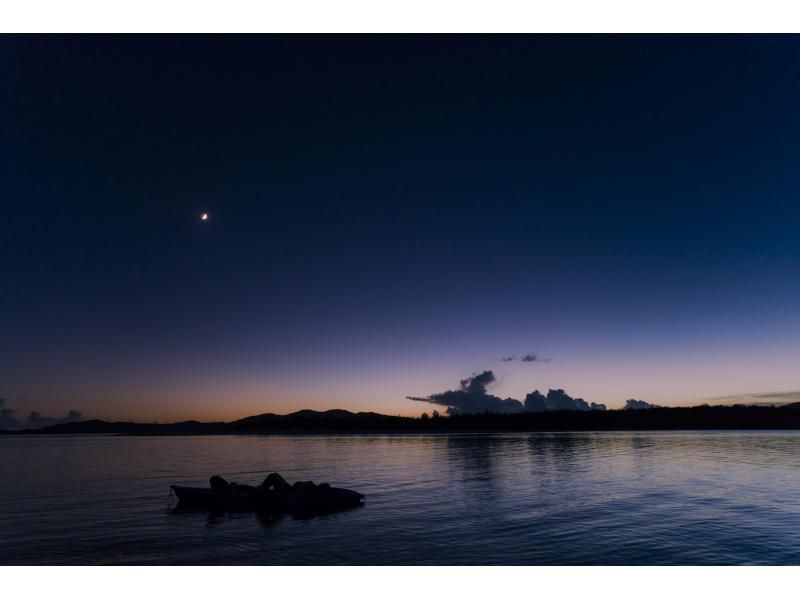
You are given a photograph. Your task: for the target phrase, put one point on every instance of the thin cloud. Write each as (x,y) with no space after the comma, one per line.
(531,357)
(793,395)
(772,398)
(527,358)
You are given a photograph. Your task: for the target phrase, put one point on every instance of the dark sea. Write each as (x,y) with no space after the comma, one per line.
(598,498)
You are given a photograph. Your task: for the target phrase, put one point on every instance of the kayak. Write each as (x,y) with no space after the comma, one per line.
(250,498)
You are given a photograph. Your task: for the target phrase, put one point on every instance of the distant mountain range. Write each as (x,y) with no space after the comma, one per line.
(340,421)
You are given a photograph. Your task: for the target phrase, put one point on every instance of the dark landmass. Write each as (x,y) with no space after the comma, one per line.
(338,421)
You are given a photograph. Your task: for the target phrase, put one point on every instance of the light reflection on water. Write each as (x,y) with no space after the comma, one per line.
(562,498)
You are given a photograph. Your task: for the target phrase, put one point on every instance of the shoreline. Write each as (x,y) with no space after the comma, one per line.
(339,422)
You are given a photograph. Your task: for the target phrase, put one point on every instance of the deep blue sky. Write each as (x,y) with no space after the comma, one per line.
(391,214)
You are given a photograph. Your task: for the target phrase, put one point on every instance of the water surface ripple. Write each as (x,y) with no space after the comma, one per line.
(564,498)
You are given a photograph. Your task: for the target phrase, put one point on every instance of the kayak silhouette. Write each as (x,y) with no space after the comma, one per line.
(274,494)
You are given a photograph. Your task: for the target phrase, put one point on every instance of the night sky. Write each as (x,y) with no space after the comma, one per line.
(389,215)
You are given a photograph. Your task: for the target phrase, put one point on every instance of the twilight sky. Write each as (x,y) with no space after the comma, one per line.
(388,215)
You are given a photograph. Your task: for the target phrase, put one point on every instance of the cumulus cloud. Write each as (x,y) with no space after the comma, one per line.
(636,404)
(535,401)
(527,358)
(476,384)
(472,397)
(9,420)
(38,420)
(558,400)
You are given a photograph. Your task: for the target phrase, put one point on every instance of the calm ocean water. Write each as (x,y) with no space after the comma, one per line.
(569,498)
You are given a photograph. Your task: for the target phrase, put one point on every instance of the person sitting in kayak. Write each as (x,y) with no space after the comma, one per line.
(275,481)
(219,484)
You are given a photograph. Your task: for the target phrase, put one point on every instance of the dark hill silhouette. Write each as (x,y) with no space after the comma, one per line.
(310,420)
(97,426)
(306,414)
(704,417)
